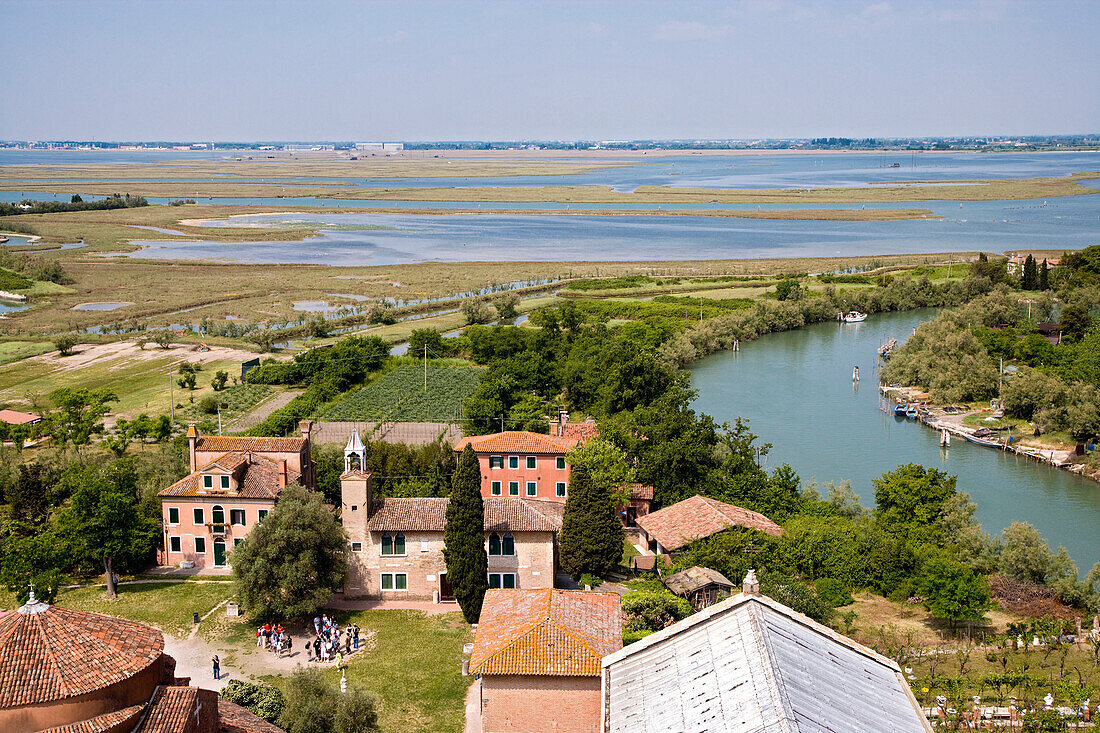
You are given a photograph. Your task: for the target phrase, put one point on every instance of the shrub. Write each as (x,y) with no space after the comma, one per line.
(65,343)
(833,592)
(629,637)
(209,404)
(475,311)
(592,581)
(653,610)
(262,700)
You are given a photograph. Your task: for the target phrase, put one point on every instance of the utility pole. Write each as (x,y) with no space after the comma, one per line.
(425,367)
(219,419)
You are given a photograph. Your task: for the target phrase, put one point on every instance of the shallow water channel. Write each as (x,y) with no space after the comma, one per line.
(796,390)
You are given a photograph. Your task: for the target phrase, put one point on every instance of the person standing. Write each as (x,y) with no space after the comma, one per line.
(217,667)
(355,630)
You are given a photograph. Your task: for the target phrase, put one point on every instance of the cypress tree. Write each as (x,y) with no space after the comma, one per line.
(591,538)
(1044,276)
(464,537)
(1030,279)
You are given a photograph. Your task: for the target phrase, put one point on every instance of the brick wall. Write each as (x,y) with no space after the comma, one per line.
(540,704)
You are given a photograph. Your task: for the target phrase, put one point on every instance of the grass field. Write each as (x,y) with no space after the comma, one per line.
(400,395)
(15,350)
(239,398)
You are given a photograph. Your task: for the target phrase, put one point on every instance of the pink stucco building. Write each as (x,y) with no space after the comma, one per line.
(233,484)
(522,464)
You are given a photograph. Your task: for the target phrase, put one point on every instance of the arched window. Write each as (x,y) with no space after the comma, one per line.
(387,545)
(508,545)
(494,544)
(217,515)
(399,544)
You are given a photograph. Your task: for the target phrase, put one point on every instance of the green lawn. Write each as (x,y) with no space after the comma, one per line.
(16,350)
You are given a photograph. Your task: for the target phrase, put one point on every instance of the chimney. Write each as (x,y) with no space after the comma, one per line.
(282,474)
(306,426)
(751,586)
(563,420)
(192,438)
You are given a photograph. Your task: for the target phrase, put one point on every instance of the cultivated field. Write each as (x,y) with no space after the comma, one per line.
(400,395)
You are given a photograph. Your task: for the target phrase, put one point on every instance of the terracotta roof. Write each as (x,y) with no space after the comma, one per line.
(642,492)
(502,514)
(698,517)
(694,578)
(546,631)
(14,417)
(235,719)
(176,709)
(119,720)
(51,653)
(582,431)
(518,441)
(229,444)
(260,478)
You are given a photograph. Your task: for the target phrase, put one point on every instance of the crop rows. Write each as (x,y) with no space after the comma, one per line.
(400,396)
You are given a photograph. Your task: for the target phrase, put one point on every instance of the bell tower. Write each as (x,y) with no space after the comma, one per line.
(355,454)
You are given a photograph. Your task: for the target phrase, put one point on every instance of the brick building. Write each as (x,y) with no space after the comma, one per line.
(538,654)
(233,484)
(65,671)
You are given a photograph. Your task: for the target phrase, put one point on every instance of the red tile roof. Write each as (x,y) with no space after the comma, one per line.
(230,444)
(181,710)
(14,417)
(642,492)
(518,441)
(55,653)
(698,517)
(502,514)
(260,479)
(119,720)
(235,719)
(546,632)
(582,431)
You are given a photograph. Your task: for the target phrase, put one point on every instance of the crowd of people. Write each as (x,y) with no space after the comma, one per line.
(330,642)
(274,638)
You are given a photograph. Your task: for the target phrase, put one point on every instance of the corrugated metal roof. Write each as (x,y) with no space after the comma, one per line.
(750,664)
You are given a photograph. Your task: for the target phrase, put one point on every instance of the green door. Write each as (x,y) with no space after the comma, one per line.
(219,552)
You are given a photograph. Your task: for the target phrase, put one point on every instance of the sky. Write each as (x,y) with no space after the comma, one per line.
(595,70)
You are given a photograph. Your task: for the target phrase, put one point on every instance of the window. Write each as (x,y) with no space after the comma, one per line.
(217,515)
(208,482)
(199,518)
(236,516)
(561,463)
(513,488)
(559,489)
(200,545)
(174,544)
(513,461)
(393,545)
(496,488)
(356,546)
(496,461)
(260,515)
(494,544)
(225,482)
(173,515)
(237,541)
(532,488)
(501,580)
(508,545)
(354,507)
(530,461)
(395,581)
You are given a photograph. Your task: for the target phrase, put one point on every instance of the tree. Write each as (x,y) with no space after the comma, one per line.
(264,700)
(1075,322)
(429,337)
(608,467)
(79,413)
(220,378)
(162,338)
(65,343)
(187,378)
(910,500)
(1025,555)
(477,311)
(953,591)
(506,303)
(292,562)
(314,706)
(265,338)
(104,522)
(1030,278)
(788,289)
(591,539)
(1044,276)
(27,497)
(464,537)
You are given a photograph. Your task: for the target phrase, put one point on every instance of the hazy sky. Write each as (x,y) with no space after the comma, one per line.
(546,70)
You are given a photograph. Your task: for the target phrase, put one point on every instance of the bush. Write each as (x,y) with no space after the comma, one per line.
(65,343)
(592,581)
(796,595)
(629,637)
(833,592)
(209,404)
(262,700)
(653,610)
(475,311)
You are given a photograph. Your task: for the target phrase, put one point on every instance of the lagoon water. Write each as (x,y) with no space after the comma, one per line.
(795,389)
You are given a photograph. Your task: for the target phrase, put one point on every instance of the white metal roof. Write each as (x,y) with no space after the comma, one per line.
(750,664)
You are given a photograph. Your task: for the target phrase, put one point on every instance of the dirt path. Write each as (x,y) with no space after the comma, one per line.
(262,410)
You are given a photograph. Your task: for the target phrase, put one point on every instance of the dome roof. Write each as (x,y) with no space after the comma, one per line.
(49,653)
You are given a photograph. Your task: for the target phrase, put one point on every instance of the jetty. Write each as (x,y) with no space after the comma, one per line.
(887,348)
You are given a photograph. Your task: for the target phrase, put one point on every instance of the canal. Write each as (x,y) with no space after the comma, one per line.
(796,390)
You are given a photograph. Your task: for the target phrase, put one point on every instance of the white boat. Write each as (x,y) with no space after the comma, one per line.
(854,317)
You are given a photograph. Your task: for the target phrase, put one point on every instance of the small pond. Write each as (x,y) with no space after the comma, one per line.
(100,306)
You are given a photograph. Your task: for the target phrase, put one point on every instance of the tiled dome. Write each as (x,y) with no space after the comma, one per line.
(49,653)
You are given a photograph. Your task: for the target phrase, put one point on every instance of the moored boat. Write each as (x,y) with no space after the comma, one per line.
(912,412)
(900,408)
(854,317)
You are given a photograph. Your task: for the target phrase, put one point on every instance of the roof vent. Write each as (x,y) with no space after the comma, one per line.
(750,586)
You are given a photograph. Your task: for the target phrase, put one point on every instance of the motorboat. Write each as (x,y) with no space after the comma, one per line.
(854,317)
(912,412)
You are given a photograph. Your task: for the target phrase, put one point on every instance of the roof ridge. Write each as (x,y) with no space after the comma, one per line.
(61,681)
(772,672)
(524,633)
(577,637)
